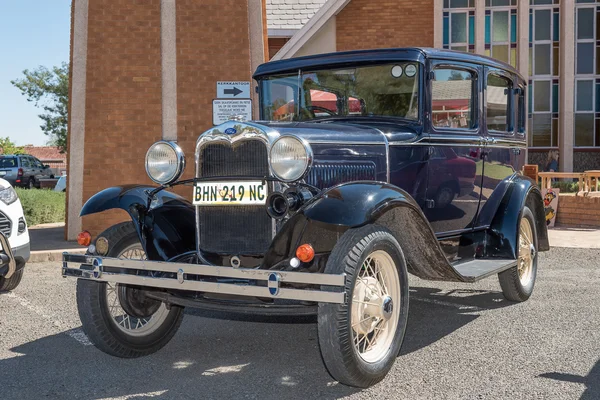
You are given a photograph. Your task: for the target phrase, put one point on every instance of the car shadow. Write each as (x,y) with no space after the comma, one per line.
(435,314)
(210,357)
(591,381)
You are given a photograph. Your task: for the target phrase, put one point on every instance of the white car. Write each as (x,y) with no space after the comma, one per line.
(14,238)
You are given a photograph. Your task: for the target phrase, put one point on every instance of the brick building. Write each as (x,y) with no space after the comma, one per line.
(146,70)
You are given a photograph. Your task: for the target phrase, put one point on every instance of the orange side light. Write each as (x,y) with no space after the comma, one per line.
(84,238)
(305,253)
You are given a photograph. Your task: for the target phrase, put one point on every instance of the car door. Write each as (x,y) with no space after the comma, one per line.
(43,173)
(504,152)
(455,165)
(27,170)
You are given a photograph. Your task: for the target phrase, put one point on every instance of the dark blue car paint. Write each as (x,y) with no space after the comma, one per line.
(479,223)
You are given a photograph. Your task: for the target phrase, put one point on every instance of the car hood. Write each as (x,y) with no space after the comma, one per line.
(351,132)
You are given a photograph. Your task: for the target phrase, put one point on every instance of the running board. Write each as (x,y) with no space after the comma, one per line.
(473,271)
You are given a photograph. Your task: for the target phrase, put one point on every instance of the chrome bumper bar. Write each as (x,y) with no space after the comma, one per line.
(189,277)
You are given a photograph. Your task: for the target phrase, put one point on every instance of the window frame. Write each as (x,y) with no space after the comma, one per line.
(510,111)
(474,70)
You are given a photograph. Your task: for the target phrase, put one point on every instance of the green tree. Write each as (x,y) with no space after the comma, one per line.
(8,147)
(49,90)
(456,76)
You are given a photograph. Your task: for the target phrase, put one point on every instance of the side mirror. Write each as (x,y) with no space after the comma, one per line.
(46,166)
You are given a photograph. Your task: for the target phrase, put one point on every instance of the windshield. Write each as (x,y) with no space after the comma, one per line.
(384,90)
(8,162)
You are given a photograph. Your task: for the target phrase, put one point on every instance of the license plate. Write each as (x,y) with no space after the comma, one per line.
(230,193)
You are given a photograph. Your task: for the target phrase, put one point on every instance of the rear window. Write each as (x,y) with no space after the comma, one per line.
(8,162)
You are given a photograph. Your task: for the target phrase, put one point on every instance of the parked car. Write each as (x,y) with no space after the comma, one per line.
(61,184)
(328,212)
(14,238)
(23,170)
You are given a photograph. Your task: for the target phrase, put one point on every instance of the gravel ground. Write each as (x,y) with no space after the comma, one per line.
(462,342)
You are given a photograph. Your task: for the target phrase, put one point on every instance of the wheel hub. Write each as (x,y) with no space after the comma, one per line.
(135,303)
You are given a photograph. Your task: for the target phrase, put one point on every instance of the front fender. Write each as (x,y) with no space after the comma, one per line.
(350,205)
(165,226)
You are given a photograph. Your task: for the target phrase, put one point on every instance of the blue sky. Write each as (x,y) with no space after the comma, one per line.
(32,33)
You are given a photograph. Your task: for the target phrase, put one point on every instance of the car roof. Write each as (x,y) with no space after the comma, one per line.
(357,57)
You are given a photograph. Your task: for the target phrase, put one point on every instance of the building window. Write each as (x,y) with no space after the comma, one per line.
(459,25)
(501,30)
(544,35)
(587,73)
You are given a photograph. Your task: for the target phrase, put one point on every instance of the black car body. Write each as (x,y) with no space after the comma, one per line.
(23,170)
(420,149)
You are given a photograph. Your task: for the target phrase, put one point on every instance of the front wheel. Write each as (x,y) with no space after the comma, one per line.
(360,339)
(8,284)
(119,319)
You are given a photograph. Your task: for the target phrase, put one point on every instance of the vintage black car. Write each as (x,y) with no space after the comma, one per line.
(365,166)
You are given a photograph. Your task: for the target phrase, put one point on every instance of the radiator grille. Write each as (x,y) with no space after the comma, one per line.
(5,224)
(234,229)
(324,175)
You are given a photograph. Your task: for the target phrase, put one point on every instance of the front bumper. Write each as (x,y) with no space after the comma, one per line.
(207,278)
(8,264)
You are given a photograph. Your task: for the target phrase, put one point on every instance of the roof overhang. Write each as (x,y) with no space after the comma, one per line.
(329,10)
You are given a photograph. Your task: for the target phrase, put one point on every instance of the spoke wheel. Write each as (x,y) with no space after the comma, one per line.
(517,282)
(361,338)
(527,252)
(375,306)
(121,320)
(116,298)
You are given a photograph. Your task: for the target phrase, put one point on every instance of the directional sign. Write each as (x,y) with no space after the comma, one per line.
(223,110)
(233,90)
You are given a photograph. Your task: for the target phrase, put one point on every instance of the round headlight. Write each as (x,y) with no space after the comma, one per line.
(290,158)
(164,162)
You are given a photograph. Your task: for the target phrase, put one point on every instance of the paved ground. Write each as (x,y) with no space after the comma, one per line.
(463,342)
(575,237)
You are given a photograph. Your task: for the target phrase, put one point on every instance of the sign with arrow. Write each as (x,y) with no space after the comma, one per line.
(233,90)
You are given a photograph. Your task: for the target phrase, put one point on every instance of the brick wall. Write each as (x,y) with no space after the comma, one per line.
(123,97)
(365,24)
(212,45)
(275,44)
(578,211)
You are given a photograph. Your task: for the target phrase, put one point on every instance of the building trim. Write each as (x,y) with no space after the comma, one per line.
(282,33)
(328,11)
(256,34)
(566,120)
(438,24)
(77,118)
(479,27)
(168,49)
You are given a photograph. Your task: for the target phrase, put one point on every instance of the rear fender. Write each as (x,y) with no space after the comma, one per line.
(165,226)
(322,222)
(504,208)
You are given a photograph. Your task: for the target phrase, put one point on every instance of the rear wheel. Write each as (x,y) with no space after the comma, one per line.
(361,338)
(7,284)
(517,283)
(121,320)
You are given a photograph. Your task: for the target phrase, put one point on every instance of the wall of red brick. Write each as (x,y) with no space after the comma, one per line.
(123,97)
(578,211)
(212,45)
(368,24)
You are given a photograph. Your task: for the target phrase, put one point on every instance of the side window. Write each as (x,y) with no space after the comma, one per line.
(521,116)
(497,113)
(37,163)
(452,98)
(25,162)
